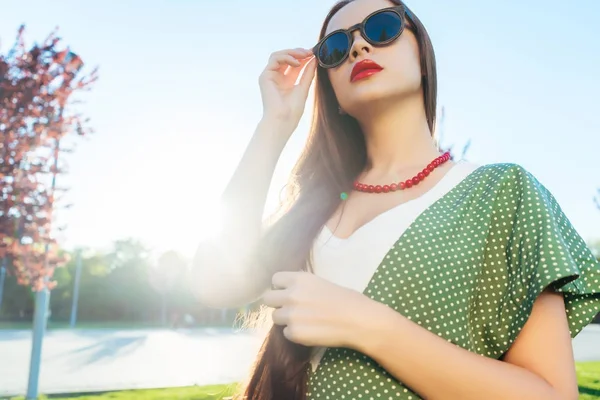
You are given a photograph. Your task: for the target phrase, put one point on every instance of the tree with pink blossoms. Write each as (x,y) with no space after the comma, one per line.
(38,86)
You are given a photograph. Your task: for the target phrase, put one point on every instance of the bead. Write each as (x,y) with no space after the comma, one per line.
(401,185)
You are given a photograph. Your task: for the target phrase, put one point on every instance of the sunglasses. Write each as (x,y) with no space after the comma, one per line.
(379,28)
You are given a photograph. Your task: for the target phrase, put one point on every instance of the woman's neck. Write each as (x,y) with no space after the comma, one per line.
(398,136)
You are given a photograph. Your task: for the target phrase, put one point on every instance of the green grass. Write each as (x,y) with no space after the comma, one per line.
(588,377)
(53,325)
(186,393)
(82,325)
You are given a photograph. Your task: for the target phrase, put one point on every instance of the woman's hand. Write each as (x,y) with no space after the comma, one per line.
(284,100)
(316,312)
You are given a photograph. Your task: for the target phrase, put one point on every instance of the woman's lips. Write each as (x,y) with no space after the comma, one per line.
(364,74)
(364,69)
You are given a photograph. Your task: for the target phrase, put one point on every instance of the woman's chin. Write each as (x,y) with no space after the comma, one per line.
(369,99)
(376,95)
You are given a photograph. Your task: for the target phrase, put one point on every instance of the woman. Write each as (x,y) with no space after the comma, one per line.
(393,271)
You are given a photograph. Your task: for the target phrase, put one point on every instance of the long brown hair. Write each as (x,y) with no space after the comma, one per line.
(333,157)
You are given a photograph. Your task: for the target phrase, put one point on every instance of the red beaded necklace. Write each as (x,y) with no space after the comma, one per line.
(361,187)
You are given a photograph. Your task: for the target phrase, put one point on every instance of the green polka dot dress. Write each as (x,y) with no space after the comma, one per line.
(469,269)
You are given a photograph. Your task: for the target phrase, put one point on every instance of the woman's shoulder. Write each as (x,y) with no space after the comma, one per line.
(508,176)
(504,170)
(506,185)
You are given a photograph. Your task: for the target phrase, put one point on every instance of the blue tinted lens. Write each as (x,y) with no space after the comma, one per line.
(334,49)
(383,26)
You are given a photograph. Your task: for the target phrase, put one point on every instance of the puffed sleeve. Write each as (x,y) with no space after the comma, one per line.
(532,246)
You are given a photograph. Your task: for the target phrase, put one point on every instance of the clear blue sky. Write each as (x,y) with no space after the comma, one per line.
(178,99)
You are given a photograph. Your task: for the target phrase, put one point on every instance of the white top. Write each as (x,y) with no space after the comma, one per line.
(352,262)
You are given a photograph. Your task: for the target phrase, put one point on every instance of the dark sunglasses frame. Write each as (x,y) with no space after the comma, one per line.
(399,10)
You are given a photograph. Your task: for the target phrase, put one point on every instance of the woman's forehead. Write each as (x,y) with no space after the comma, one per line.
(354,13)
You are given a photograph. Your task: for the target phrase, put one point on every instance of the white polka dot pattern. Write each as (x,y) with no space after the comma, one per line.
(469,269)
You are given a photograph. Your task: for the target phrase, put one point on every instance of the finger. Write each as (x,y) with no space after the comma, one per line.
(297,52)
(276,63)
(275,298)
(289,334)
(284,279)
(281,316)
(292,74)
(280,60)
(296,334)
(308,75)
(303,335)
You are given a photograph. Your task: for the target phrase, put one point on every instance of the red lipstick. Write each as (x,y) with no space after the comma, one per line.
(364,69)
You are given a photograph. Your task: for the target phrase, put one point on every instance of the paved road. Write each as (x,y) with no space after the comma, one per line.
(94,360)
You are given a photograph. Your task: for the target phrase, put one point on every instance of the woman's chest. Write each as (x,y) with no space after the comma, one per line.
(429,275)
(423,265)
